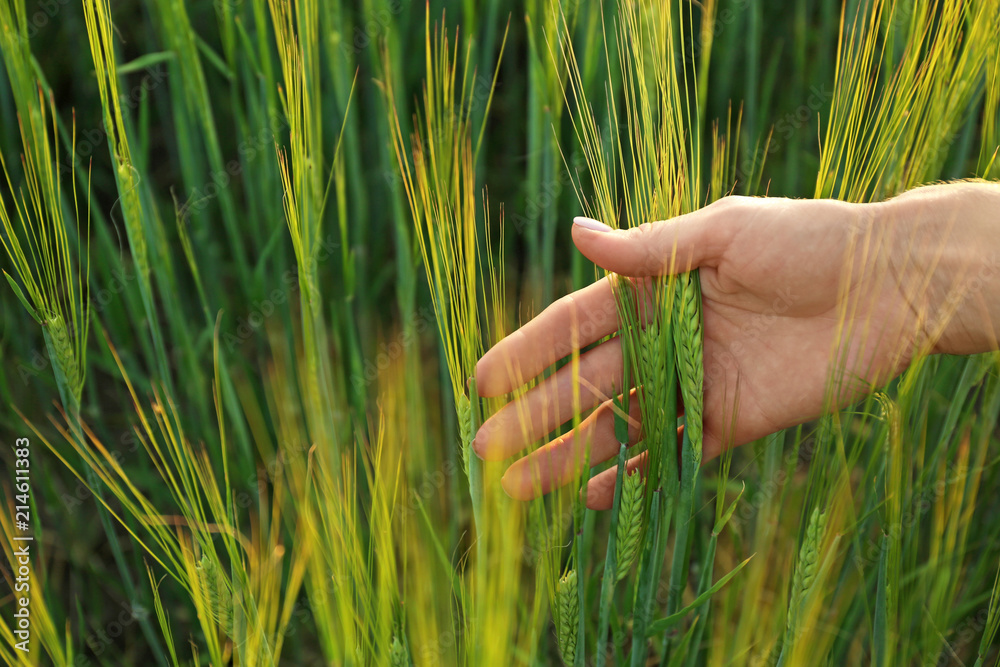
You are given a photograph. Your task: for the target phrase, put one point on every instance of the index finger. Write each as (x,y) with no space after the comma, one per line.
(548,338)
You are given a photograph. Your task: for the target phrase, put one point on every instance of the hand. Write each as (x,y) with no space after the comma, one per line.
(794,293)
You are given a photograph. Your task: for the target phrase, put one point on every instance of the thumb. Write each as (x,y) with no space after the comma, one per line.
(654,248)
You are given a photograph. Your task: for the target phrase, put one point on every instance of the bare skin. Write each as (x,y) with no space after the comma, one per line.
(794,293)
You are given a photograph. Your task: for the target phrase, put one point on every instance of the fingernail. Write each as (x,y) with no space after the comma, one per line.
(506,484)
(591,224)
(476,448)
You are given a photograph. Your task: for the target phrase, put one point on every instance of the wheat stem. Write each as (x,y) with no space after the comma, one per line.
(474,468)
(610,563)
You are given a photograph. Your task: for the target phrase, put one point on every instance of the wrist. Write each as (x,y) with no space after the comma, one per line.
(950,267)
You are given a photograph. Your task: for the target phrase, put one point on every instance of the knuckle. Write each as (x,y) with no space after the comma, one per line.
(642,231)
(567,303)
(732,202)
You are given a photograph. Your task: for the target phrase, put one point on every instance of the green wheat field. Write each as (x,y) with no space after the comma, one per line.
(253,250)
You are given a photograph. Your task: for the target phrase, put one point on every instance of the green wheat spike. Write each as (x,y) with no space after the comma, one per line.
(64,356)
(806,567)
(218,595)
(569,612)
(689,344)
(131,206)
(629,523)
(397,653)
(464,409)
(652,371)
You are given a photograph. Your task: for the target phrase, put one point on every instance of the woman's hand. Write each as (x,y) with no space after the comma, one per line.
(795,293)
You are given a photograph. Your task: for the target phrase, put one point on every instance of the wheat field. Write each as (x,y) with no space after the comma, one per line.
(254,250)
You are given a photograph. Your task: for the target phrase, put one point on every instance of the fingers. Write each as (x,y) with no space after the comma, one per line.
(550,404)
(656,248)
(558,463)
(548,338)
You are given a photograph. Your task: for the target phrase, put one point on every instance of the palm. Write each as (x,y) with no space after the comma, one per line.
(776,325)
(774,282)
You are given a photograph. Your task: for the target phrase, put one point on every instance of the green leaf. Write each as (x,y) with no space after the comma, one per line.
(682,650)
(213,58)
(24,301)
(728,514)
(145,62)
(657,627)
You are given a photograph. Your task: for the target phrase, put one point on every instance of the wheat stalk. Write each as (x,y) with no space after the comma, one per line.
(35,236)
(97,14)
(651,172)
(438,169)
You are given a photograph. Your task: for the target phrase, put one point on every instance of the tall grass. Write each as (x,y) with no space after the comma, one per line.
(275,426)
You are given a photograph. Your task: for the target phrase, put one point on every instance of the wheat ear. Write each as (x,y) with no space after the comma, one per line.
(219,598)
(569,611)
(397,653)
(806,567)
(58,337)
(629,523)
(690,353)
(464,409)
(652,371)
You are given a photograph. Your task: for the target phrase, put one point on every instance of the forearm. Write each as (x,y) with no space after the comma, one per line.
(949,246)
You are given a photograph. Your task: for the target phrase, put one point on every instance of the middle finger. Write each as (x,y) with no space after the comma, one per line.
(551,403)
